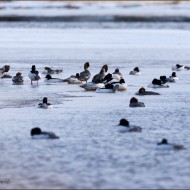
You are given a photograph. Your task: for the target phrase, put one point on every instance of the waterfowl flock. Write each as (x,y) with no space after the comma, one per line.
(102,82)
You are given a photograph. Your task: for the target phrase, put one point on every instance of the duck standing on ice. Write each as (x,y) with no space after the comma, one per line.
(85,75)
(34,75)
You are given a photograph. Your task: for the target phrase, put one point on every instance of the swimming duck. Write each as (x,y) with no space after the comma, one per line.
(37,133)
(187,67)
(49,79)
(18,79)
(164,145)
(118,73)
(135,71)
(178,67)
(156,83)
(142,91)
(174,76)
(109,88)
(3,70)
(125,127)
(50,71)
(34,75)
(98,78)
(135,103)
(85,75)
(45,104)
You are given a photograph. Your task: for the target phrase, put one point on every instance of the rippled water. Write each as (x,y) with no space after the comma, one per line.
(91,153)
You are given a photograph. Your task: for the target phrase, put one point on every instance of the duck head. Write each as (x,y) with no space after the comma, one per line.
(156,81)
(86,66)
(133,100)
(124,122)
(77,75)
(33,68)
(48,77)
(141,90)
(36,131)
(122,81)
(6,68)
(164,141)
(105,67)
(174,74)
(18,74)
(178,65)
(45,100)
(163,78)
(117,70)
(136,69)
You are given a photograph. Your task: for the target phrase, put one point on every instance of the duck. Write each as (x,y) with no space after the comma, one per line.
(73,79)
(3,70)
(98,78)
(124,126)
(122,85)
(178,67)
(85,75)
(45,104)
(164,79)
(37,133)
(135,103)
(174,76)
(34,75)
(164,145)
(97,81)
(50,71)
(90,86)
(156,83)
(111,78)
(117,72)
(109,88)
(187,67)
(49,79)
(142,92)
(135,71)
(18,79)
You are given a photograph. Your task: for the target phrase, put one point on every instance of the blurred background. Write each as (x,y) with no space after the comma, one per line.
(95,14)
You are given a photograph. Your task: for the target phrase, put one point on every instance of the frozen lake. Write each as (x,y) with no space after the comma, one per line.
(91,152)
